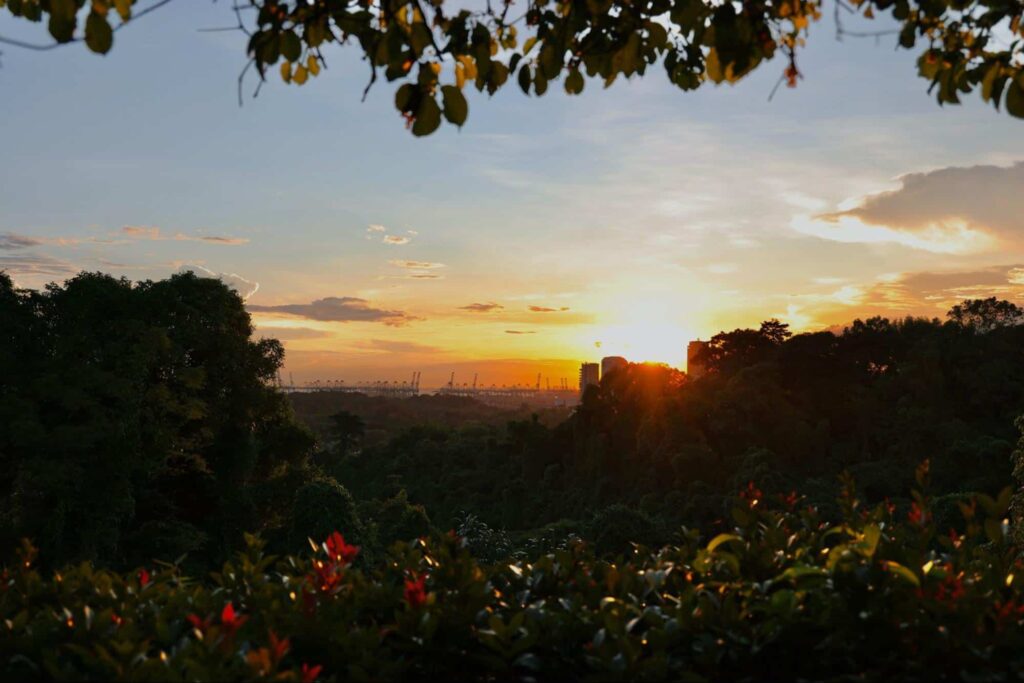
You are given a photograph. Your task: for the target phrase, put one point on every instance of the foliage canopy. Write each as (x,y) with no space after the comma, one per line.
(434,48)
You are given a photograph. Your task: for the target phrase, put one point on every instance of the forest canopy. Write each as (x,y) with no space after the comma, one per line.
(433,49)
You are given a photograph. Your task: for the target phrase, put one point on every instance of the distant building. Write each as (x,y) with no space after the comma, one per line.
(590,375)
(609,363)
(694,366)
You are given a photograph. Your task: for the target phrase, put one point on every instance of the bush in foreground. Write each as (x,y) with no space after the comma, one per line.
(784,595)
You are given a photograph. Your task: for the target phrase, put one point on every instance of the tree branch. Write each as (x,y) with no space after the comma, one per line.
(50,46)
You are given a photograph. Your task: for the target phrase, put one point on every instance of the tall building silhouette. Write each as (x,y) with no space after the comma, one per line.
(609,363)
(590,375)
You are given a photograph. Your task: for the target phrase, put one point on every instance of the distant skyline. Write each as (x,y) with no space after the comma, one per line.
(546,232)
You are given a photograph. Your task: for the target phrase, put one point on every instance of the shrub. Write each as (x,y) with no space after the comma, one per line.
(321,506)
(783,595)
(617,527)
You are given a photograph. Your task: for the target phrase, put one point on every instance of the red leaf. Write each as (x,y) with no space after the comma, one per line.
(310,673)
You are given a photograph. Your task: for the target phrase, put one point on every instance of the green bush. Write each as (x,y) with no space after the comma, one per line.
(783,595)
(321,506)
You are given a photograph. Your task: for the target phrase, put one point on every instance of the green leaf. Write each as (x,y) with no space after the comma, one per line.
(524,78)
(1015,97)
(291,46)
(62,20)
(574,82)
(455,107)
(994,530)
(428,117)
(902,572)
(798,572)
(720,539)
(869,541)
(98,34)
(403,96)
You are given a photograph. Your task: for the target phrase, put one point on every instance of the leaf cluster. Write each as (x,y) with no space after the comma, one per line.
(433,48)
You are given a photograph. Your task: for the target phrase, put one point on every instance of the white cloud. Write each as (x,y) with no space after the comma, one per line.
(953,210)
(245,288)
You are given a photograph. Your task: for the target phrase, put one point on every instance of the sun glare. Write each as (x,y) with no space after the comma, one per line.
(646,342)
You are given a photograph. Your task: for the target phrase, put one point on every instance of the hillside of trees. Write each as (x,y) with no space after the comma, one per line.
(650,449)
(380,418)
(847,492)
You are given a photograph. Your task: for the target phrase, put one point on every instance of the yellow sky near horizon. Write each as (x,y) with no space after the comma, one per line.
(956,231)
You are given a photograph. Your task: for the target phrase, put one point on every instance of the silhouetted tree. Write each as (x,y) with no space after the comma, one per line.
(347,429)
(985,315)
(139,418)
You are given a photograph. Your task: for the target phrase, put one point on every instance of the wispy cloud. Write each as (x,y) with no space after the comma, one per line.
(396,239)
(339,309)
(545,309)
(416,265)
(394,346)
(520,331)
(292,333)
(156,234)
(36,264)
(10,241)
(481,308)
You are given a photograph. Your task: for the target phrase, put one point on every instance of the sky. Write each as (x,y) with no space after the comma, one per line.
(545,232)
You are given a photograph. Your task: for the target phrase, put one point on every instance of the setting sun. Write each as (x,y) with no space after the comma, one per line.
(645,341)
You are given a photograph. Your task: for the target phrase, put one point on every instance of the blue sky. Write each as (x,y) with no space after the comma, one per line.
(650,214)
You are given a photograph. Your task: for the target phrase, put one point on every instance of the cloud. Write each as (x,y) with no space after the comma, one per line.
(9,241)
(36,264)
(339,309)
(481,308)
(392,346)
(215,239)
(934,293)
(545,309)
(722,268)
(155,234)
(520,332)
(926,293)
(952,210)
(395,239)
(417,265)
(292,333)
(143,233)
(374,227)
(245,288)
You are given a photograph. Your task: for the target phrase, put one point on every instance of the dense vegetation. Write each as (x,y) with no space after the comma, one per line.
(651,449)
(785,595)
(380,418)
(143,437)
(434,49)
(138,421)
